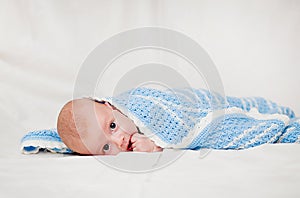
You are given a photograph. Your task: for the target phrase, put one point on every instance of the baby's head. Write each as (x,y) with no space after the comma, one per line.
(87,126)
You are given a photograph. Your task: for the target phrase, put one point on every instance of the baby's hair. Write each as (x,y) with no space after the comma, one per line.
(70,127)
(99,101)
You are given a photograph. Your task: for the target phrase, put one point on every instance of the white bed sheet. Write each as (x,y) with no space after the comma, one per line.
(264,171)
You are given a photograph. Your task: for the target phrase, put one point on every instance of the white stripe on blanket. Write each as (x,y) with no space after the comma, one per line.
(286,133)
(258,136)
(252,113)
(244,134)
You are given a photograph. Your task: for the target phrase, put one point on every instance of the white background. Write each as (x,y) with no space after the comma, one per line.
(254,44)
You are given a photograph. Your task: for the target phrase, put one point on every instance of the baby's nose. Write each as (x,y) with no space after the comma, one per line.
(118,138)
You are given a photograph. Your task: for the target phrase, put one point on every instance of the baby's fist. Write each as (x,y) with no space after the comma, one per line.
(143,144)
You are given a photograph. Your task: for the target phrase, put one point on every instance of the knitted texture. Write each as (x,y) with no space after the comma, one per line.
(264,106)
(196,118)
(291,133)
(47,140)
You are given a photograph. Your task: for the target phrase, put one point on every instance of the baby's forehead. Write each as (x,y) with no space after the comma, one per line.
(91,119)
(92,113)
(86,105)
(100,113)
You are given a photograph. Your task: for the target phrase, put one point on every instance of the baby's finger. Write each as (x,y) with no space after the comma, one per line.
(133,146)
(136,147)
(133,139)
(140,147)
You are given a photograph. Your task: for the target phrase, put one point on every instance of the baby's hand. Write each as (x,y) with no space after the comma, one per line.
(143,144)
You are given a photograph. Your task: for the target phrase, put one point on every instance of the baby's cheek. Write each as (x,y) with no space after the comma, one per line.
(125,123)
(114,149)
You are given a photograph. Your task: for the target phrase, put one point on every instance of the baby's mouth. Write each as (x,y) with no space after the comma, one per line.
(129,147)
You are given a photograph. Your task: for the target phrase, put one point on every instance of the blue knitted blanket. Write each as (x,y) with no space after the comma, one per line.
(46,140)
(196,118)
(192,119)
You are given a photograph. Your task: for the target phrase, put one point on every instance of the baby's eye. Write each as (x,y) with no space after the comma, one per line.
(106,147)
(112,126)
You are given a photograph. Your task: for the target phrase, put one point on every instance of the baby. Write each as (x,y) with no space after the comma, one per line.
(89,126)
(178,119)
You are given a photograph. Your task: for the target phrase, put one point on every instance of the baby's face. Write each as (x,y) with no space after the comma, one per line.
(111,133)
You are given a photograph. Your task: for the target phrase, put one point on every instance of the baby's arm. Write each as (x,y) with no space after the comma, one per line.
(143,144)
